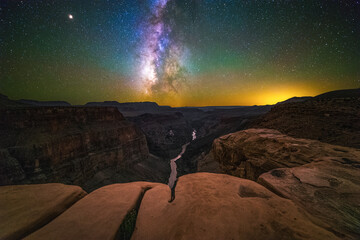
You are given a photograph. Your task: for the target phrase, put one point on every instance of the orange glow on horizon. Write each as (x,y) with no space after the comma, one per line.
(252,97)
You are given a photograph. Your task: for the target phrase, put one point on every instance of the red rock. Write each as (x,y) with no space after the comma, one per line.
(321,178)
(98,215)
(251,152)
(216,206)
(26,208)
(328,188)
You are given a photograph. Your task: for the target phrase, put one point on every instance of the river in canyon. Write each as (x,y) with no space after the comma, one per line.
(173,174)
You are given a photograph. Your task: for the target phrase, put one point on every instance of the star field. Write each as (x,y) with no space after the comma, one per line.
(178,52)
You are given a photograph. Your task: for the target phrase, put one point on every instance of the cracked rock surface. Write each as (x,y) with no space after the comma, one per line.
(328,188)
(207,206)
(217,206)
(98,215)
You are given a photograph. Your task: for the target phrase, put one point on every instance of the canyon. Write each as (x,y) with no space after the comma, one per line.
(86,146)
(289,171)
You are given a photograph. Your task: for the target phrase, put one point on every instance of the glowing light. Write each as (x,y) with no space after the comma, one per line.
(71,16)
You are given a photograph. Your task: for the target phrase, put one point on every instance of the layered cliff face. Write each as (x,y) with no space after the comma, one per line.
(331,120)
(66,144)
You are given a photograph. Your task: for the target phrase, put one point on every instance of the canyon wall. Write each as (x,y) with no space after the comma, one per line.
(165,133)
(66,144)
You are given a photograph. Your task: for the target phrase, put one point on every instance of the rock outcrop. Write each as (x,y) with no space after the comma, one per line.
(321,178)
(209,125)
(66,144)
(206,206)
(251,152)
(26,208)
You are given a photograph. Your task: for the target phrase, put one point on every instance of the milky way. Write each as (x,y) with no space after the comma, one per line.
(178,52)
(161,55)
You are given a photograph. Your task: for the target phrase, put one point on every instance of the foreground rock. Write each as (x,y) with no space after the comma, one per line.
(328,188)
(97,216)
(215,206)
(251,152)
(321,178)
(26,208)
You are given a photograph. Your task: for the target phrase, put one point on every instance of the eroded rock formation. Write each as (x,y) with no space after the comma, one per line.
(321,178)
(251,152)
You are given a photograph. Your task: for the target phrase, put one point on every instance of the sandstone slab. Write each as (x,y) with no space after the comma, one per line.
(26,208)
(217,206)
(98,215)
(328,188)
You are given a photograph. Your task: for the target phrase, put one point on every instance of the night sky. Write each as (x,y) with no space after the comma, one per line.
(178,52)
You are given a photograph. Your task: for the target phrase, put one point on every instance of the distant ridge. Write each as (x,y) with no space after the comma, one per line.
(332,117)
(5,102)
(295,99)
(151,107)
(44,103)
(346,93)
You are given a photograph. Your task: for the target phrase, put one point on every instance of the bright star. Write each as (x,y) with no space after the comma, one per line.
(70,16)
